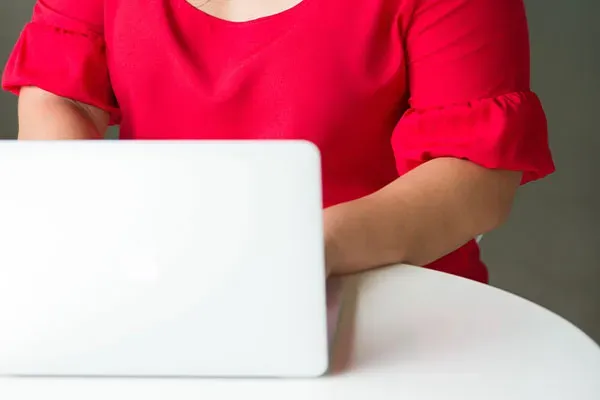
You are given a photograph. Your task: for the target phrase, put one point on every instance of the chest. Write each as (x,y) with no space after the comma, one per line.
(226,65)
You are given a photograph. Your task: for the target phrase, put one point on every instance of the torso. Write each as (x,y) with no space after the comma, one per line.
(332,72)
(179,72)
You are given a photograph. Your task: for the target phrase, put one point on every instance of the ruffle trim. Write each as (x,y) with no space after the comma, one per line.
(506,132)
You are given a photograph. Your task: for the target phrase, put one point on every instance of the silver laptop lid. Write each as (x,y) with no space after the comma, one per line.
(161,258)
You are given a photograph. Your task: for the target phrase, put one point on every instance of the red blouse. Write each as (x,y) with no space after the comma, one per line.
(380,86)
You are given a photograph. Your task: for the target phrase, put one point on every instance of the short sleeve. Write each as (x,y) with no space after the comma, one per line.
(62,50)
(469,82)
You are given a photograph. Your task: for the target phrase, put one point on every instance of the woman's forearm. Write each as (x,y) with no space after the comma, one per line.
(45,116)
(422,216)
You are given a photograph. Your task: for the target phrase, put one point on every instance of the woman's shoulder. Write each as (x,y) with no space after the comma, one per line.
(71,14)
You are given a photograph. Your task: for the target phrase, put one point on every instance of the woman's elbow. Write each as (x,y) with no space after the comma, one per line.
(502,191)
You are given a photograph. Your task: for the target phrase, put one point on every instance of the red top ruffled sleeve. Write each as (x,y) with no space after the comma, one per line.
(62,51)
(470,97)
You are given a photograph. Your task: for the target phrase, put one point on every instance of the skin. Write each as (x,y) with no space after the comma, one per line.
(45,116)
(418,218)
(240,11)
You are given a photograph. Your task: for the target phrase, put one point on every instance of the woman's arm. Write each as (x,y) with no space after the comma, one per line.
(45,116)
(473,132)
(62,50)
(420,217)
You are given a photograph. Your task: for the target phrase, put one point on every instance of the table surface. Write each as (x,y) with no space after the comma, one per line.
(405,332)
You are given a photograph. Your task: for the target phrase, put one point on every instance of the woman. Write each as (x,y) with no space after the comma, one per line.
(422,109)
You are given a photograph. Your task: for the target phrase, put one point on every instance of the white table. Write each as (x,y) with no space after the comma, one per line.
(406,333)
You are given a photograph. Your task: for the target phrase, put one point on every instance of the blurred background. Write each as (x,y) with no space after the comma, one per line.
(549,252)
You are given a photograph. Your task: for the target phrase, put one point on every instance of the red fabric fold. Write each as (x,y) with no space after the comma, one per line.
(69,64)
(506,132)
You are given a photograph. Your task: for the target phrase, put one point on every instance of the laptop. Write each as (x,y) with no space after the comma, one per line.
(162,258)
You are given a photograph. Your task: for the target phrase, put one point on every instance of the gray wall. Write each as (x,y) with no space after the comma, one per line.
(550,250)
(13,15)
